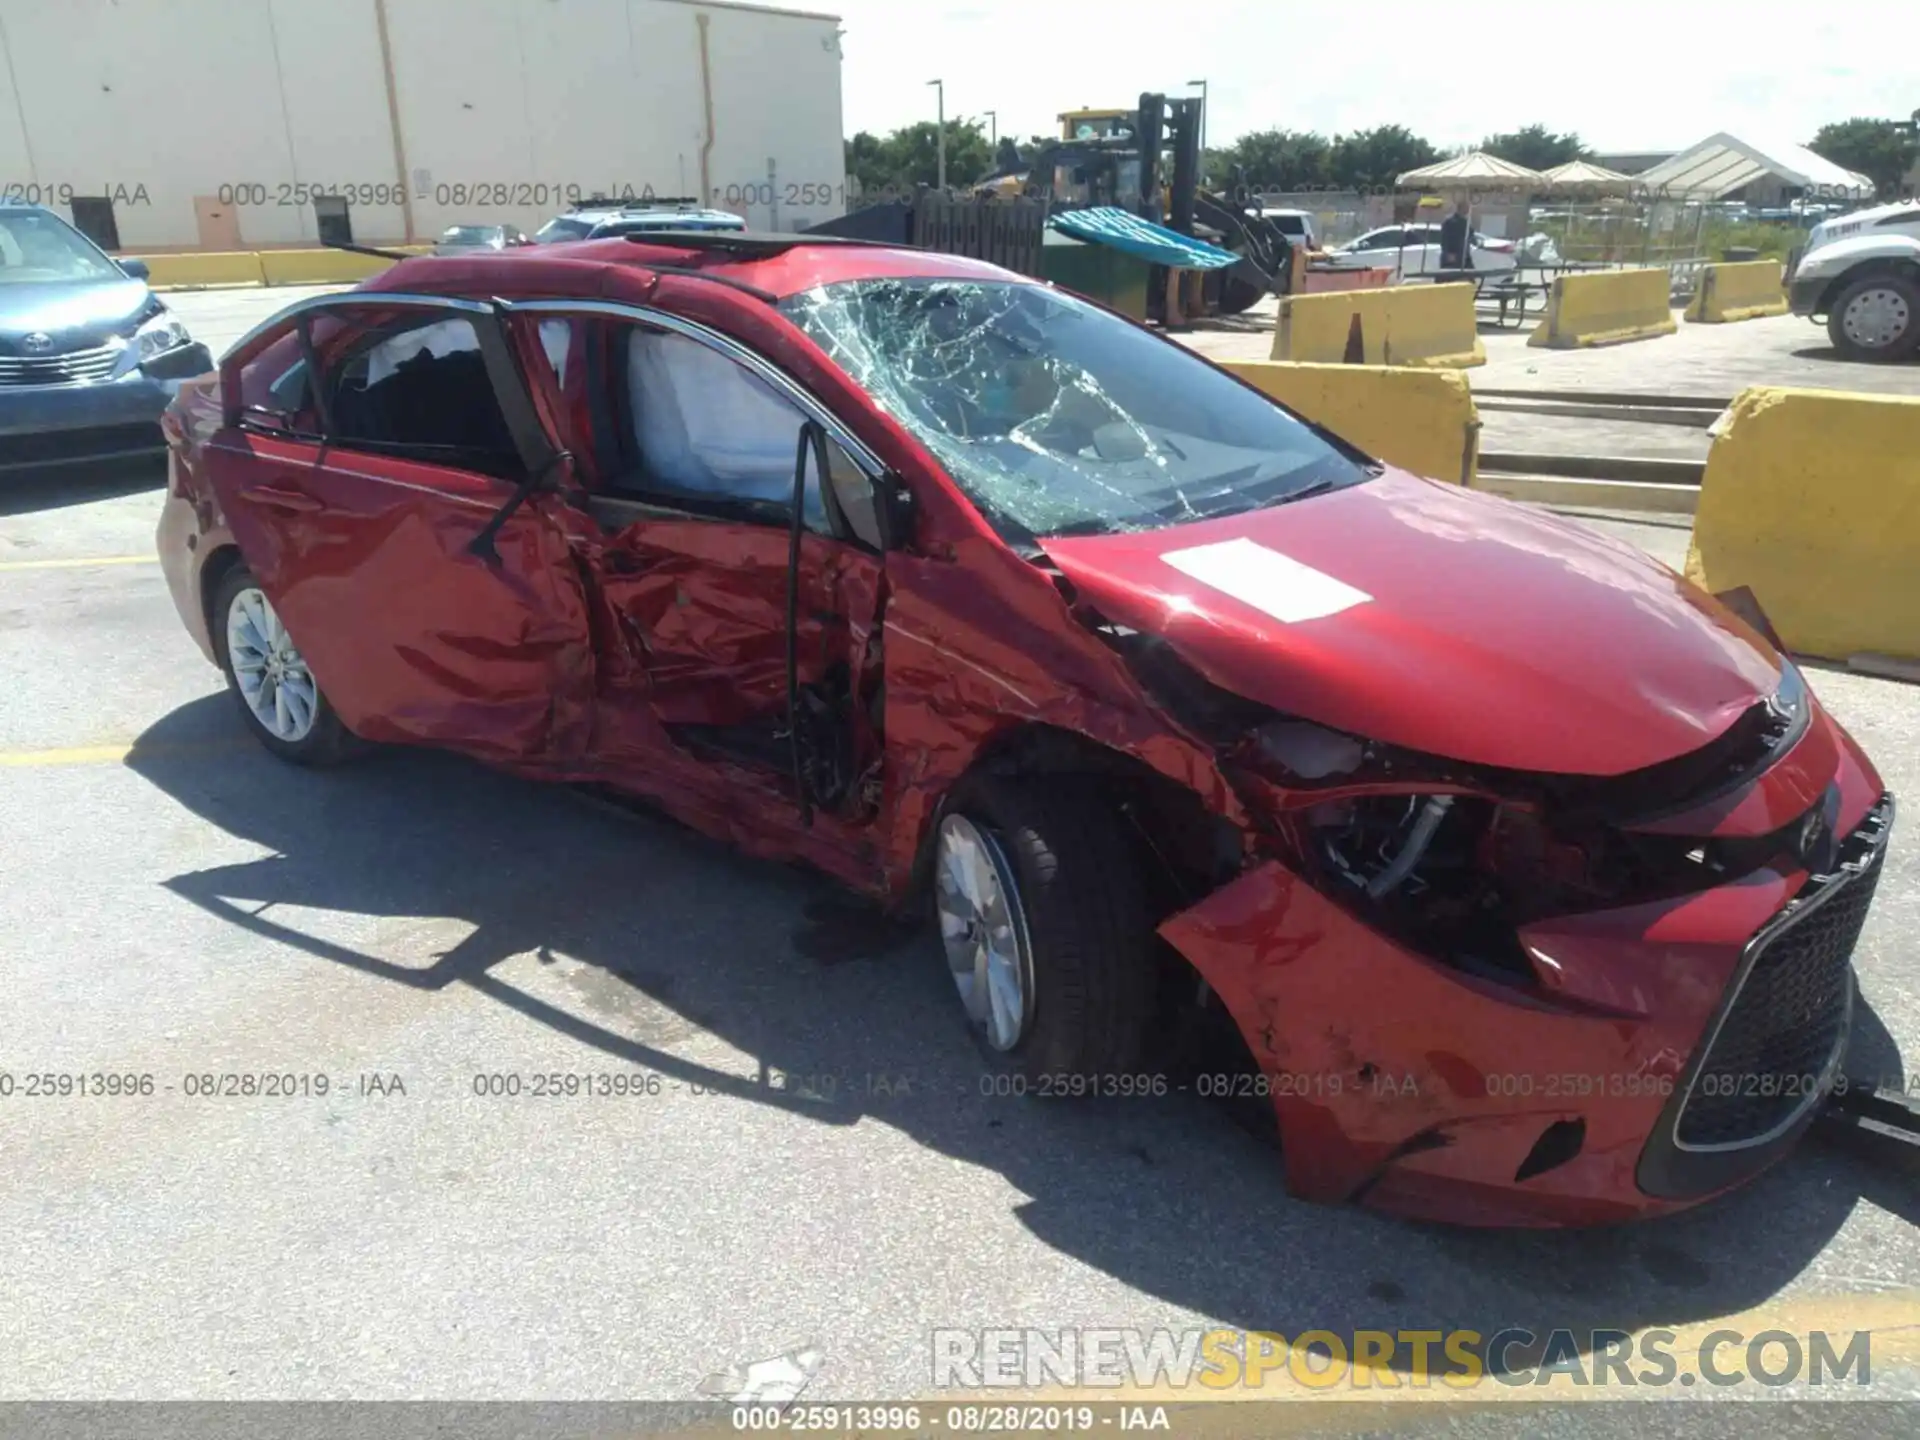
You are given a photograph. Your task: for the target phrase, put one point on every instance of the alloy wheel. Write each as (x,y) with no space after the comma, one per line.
(984,930)
(274,681)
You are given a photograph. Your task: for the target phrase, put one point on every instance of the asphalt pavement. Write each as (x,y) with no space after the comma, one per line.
(813,1164)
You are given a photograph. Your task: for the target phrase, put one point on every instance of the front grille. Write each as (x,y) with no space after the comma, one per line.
(76,367)
(1771,1056)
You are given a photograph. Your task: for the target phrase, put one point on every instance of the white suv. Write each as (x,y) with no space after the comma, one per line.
(1861,273)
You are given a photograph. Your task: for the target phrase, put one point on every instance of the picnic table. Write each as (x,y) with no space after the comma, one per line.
(1505,287)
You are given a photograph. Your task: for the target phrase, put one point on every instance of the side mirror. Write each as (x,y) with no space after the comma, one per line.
(898,513)
(135,269)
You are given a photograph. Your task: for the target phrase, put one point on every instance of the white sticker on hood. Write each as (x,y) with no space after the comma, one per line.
(1267,580)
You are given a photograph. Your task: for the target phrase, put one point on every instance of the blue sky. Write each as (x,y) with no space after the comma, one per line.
(1624,74)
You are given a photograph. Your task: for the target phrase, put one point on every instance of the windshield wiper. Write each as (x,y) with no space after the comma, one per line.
(1095,525)
(1318,487)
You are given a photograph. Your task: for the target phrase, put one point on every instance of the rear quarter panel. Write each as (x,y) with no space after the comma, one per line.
(192,534)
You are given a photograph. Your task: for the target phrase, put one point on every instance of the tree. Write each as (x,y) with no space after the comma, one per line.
(869,164)
(1882,150)
(1374,159)
(1536,147)
(1275,159)
(910,156)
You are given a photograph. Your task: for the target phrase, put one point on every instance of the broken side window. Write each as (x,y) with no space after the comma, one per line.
(679,423)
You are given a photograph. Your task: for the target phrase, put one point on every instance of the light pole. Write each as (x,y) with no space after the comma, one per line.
(940,132)
(1203,113)
(993,127)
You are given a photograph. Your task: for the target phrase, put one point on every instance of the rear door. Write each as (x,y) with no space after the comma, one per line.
(1381,249)
(688,445)
(370,441)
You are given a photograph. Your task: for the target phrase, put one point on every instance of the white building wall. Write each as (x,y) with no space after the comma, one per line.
(340,136)
(776,100)
(510,105)
(508,108)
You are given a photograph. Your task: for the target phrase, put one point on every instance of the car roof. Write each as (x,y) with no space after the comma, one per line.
(673,220)
(612,208)
(776,264)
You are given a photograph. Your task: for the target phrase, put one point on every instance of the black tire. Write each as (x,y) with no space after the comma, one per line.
(1239,296)
(327,742)
(1903,295)
(1089,930)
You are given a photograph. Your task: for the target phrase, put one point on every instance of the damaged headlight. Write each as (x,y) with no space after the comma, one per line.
(1310,752)
(1792,703)
(1424,868)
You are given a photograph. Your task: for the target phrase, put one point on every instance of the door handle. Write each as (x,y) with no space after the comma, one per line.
(292,500)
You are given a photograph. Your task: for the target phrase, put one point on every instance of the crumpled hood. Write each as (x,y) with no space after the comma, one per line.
(1431,617)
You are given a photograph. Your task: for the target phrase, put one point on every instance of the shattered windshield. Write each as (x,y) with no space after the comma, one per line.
(1058,418)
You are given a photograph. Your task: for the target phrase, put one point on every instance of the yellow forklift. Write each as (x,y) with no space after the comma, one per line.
(1146,161)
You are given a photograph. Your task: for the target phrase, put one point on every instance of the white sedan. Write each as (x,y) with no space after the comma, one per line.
(1410,251)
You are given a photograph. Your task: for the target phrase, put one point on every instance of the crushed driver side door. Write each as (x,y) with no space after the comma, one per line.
(721,620)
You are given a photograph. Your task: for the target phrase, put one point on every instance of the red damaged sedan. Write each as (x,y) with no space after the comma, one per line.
(1528,874)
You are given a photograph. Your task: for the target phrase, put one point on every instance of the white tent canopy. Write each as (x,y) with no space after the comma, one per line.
(1476,170)
(1585,175)
(1723,164)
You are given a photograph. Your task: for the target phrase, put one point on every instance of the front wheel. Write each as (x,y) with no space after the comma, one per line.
(282,702)
(1043,915)
(1877,317)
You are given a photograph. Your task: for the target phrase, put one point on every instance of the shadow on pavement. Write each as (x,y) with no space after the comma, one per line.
(26,492)
(661,934)
(1828,353)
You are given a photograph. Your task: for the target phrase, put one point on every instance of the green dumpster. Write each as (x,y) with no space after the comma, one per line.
(1099,272)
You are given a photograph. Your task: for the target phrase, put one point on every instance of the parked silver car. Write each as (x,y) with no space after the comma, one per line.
(462,239)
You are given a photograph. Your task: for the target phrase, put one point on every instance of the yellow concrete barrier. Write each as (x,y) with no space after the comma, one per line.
(319,267)
(1811,500)
(1421,420)
(1606,307)
(179,272)
(204,269)
(1747,290)
(1425,325)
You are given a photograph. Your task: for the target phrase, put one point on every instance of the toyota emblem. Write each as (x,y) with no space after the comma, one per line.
(1818,845)
(38,343)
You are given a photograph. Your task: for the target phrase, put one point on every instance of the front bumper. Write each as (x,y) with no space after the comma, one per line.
(1804,296)
(1593,1097)
(47,426)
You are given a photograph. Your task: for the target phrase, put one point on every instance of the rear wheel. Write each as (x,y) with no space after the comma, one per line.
(1877,317)
(1043,916)
(276,692)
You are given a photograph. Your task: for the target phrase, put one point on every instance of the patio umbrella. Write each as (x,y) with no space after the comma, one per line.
(1472,172)
(1584,177)
(1476,172)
